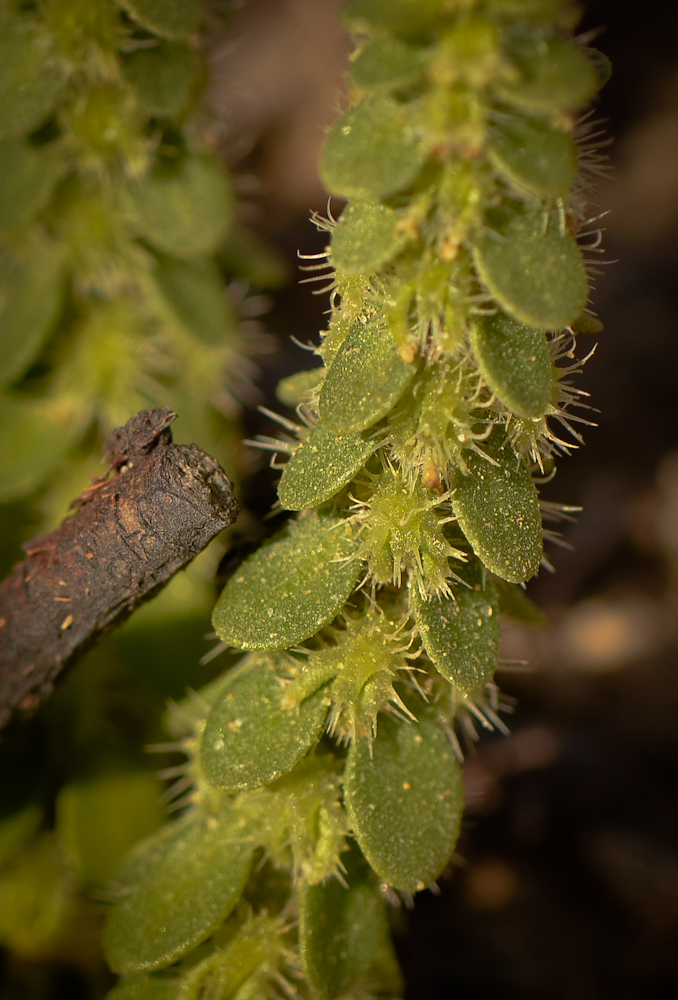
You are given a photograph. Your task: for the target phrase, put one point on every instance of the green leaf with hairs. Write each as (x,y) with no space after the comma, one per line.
(195,293)
(163,78)
(296,388)
(183,208)
(515,604)
(365,380)
(555,76)
(296,583)
(366,238)
(460,633)
(515,362)
(31,77)
(29,310)
(404,796)
(497,507)
(35,437)
(406,18)
(387,64)
(29,174)
(322,465)
(370,152)
(146,987)
(237,751)
(178,887)
(532,268)
(341,927)
(167,18)
(534,157)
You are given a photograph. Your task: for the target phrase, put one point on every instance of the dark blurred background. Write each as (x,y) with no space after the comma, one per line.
(566,880)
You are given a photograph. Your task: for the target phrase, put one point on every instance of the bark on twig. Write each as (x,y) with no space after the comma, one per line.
(158,506)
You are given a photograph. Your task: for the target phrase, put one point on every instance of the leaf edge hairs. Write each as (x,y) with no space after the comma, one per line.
(458,275)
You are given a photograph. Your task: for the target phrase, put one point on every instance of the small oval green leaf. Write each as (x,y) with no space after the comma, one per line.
(557,76)
(515,362)
(365,238)
(196,295)
(292,586)
(460,633)
(365,380)
(404,797)
(183,208)
(29,174)
(31,76)
(387,64)
(125,803)
(533,269)
(296,388)
(340,930)
(534,157)
(167,18)
(370,152)
(515,604)
(146,987)
(35,437)
(180,884)
(406,18)
(498,510)
(163,78)
(238,751)
(322,464)
(29,311)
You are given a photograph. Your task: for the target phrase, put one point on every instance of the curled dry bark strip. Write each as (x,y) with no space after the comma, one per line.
(158,506)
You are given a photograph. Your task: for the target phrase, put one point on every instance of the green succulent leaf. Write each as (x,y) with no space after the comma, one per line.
(370,152)
(515,604)
(295,388)
(365,238)
(29,174)
(124,802)
(404,18)
(534,157)
(146,987)
(321,465)
(35,437)
(515,362)
(365,380)
(245,969)
(182,208)
(404,797)
(387,64)
(31,305)
(163,78)
(194,291)
(557,76)
(31,77)
(534,270)
(167,18)
(497,507)
(460,633)
(180,884)
(601,64)
(17,829)
(237,750)
(292,586)
(340,929)
(37,897)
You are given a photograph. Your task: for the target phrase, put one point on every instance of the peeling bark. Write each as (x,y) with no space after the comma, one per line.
(157,507)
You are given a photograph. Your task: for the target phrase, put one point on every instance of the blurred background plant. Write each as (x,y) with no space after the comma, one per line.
(570,886)
(126,277)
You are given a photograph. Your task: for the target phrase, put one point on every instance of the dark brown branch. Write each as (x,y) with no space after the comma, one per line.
(158,506)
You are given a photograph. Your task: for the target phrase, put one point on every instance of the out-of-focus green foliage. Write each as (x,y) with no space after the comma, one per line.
(116,218)
(321,776)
